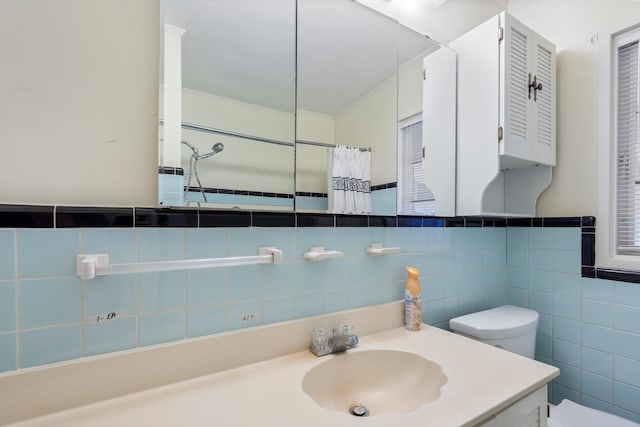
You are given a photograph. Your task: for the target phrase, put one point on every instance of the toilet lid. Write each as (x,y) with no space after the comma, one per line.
(501,322)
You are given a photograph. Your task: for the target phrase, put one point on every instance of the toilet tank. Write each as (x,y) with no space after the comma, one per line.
(509,327)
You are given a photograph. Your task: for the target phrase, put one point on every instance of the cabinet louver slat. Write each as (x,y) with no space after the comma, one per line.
(518,84)
(544,96)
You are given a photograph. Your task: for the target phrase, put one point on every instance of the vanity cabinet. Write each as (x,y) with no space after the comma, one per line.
(506,126)
(530,411)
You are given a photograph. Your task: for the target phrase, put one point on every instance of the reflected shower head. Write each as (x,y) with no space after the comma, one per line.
(217,147)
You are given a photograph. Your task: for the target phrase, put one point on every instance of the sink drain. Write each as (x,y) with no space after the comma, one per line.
(359,411)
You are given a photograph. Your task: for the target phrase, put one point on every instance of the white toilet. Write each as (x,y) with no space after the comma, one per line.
(514,329)
(509,327)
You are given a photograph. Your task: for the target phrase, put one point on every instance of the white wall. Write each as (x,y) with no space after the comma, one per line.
(371,121)
(243,164)
(311,160)
(79,102)
(570,24)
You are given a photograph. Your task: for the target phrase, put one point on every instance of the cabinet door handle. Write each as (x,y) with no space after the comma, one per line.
(535,86)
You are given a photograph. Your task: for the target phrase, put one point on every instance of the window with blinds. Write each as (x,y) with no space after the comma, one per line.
(414,198)
(627,145)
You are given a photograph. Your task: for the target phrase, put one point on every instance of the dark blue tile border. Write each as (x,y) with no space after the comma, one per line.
(165,217)
(352,221)
(383,221)
(80,216)
(26,216)
(208,218)
(315,220)
(409,221)
(170,170)
(618,275)
(574,221)
(273,219)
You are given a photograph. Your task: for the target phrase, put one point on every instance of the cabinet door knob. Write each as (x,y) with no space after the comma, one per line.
(535,86)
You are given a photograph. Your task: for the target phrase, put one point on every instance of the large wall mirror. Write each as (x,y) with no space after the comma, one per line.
(361,88)
(227,130)
(347,106)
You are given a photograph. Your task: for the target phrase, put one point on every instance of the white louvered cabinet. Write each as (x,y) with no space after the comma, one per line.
(506,131)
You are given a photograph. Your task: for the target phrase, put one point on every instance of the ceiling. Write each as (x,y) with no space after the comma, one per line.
(246,50)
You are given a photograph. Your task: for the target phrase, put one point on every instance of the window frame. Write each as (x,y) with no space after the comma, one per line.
(607,255)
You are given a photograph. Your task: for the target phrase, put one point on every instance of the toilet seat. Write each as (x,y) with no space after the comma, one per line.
(571,414)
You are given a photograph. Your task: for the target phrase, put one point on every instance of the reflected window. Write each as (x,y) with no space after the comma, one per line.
(414,197)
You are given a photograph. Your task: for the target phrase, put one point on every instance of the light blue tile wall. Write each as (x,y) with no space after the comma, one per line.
(48,315)
(589,328)
(383,202)
(170,189)
(237,199)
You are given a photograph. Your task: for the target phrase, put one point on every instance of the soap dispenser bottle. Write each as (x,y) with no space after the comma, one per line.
(412,300)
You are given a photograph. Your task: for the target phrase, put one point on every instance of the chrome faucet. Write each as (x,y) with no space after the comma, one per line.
(340,340)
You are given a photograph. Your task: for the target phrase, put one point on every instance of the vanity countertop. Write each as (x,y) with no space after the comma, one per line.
(482,380)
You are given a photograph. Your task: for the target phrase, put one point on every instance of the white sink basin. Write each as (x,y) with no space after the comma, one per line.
(382,381)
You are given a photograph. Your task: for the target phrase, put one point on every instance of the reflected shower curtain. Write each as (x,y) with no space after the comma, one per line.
(349,180)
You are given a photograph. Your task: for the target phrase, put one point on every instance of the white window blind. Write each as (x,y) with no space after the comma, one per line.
(628,146)
(414,198)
